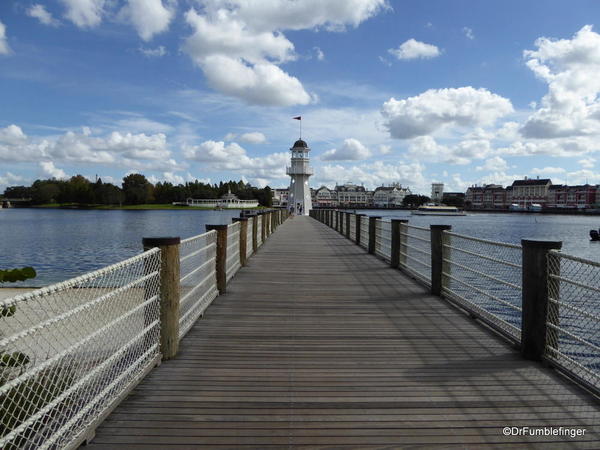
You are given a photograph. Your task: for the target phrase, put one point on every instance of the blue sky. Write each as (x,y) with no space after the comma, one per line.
(414,92)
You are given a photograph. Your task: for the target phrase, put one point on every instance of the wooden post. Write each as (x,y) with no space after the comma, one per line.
(243,238)
(536,308)
(273,222)
(403,241)
(221,259)
(254,233)
(396,240)
(169,292)
(263,228)
(372,232)
(358,225)
(437,256)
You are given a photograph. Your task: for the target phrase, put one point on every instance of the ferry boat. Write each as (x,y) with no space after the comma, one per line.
(438,210)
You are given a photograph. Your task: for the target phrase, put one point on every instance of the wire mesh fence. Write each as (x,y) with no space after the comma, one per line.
(485,277)
(232,263)
(364,232)
(415,252)
(383,239)
(249,248)
(70,349)
(259,220)
(573,321)
(198,281)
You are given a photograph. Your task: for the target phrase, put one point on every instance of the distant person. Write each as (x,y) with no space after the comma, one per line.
(300,210)
(292,212)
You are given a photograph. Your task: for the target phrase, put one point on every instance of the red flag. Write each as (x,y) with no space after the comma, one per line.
(297,118)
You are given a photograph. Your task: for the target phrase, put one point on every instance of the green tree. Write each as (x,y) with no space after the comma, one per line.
(137,189)
(414,200)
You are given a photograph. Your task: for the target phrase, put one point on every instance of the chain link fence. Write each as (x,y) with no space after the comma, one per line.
(573,320)
(71,350)
(259,220)
(198,281)
(415,252)
(485,277)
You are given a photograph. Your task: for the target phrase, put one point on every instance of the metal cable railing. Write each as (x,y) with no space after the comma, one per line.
(485,277)
(383,239)
(573,320)
(259,220)
(198,281)
(364,232)
(72,349)
(415,252)
(232,263)
(353,227)
(249,249)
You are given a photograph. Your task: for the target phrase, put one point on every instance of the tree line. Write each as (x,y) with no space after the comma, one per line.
(134,190)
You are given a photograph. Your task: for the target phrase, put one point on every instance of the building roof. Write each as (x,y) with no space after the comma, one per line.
(534,182)
(300,144)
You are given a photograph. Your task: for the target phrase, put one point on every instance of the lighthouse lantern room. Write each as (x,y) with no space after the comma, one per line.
(300,171)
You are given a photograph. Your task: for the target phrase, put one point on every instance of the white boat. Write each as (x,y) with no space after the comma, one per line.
(516,207)
(435,210)
(534,207)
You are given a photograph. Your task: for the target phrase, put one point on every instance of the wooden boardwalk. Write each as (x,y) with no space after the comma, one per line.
(318,344)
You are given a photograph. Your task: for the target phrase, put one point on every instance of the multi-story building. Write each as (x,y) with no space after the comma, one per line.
(353,196)
(530,191)
(389,196)
(490,196)
(280,197)
(325,197)
(437,192)
(572,197)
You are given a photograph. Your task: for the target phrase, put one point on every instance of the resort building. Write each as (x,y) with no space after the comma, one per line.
(530,191)
(325,198)
(389,196)
(353,196)
(572,197)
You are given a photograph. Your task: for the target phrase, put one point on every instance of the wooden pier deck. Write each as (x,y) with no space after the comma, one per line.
(320,345)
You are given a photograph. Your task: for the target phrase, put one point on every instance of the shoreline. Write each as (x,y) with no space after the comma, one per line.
(143,207)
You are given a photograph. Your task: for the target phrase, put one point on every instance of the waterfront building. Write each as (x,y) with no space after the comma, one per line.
(325,197)
(437,192)
(353,196)
(572,197)
(280,197)
(390,196)
(227,201)
(300,171)
(530,191)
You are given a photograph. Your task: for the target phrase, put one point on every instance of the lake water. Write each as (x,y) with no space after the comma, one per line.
(61,244)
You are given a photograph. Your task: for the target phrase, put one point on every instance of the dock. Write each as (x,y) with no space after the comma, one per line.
(319,344)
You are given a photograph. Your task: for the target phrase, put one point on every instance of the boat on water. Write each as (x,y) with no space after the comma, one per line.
(438,210)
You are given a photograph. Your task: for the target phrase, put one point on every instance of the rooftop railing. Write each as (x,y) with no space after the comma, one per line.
(72,351)
(542,300)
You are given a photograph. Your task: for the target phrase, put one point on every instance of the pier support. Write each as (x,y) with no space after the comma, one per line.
(221,260)
(535,333)
(396,242)
(169,292)
(437,257)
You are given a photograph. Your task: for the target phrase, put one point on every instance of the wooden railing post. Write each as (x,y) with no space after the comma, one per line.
(340,227)
(243,238)
(372,232)
(254,233)
(273,222)
(358,225)
(263,228)
(396,242)
(170,292)
(221,259)
(534,331)
(437,256)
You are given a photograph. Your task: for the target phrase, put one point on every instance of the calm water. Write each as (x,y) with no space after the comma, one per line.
(61,244)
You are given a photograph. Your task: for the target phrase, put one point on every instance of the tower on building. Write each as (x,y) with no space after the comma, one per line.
(299,172)
(437,192)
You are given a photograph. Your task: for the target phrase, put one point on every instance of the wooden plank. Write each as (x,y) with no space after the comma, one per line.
(318,344)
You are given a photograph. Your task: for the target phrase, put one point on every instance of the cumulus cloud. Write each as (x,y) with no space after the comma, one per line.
(494,164)
(50,170)
(153,52)
(10,179)
(438,108)
(149,17)
(253,138)
(351,150)
(468,33)
(240,44)
(4,48)
(40,13)
(319,53)
(84,13)
(547,170)
(587,163)
(426,148)
(570,67)
(413,49)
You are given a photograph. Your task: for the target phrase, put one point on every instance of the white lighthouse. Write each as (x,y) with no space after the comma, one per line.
(299,171)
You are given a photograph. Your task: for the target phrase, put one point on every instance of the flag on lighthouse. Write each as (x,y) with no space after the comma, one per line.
(297,118)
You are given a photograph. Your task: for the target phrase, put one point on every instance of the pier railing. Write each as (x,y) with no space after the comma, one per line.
(543,301)
(70,352)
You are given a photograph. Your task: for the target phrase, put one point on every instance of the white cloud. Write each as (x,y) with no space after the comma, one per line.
(494,164)
(319,53)
(50,170)
(587,163)
(240,44)
(40,13)
(385,149)
(438,108)
(412,49)
(570,67)
(253,138)
(153,52)
(426,148)
(468,33)
(547,170)
(4,48)
(149,17)
(351,150)
(10,179)
(84,13)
